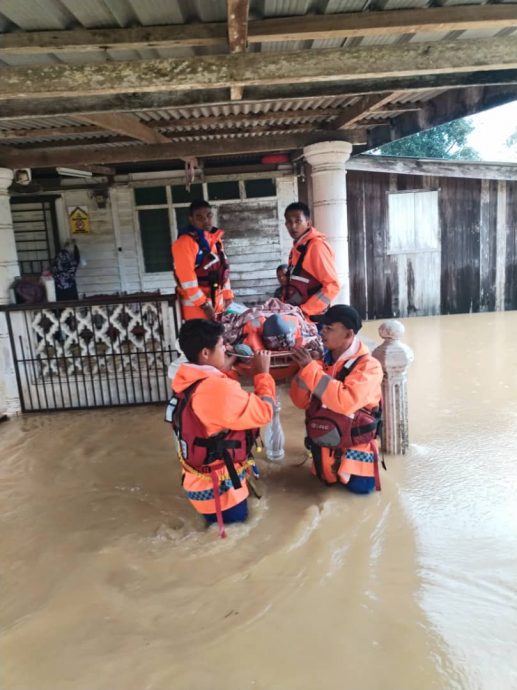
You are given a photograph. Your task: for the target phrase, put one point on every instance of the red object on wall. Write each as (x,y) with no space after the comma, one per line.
(273,158)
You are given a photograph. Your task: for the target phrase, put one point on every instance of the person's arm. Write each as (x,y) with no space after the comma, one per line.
(320,262)
(227,289)
(184,252)
(360,388)
(299,393)
(227,405)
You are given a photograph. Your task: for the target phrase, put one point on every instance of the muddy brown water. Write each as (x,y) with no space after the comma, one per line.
(109,580)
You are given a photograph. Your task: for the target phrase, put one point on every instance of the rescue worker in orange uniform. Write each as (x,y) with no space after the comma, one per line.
(312,280)
(200,266)
(217,422)
(342,397)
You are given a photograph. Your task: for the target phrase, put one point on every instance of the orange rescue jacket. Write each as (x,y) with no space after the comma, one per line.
(360,389)
(318,269)
(185,253)
(221,404)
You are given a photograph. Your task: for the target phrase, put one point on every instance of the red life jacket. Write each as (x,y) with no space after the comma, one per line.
(212,270)
(204,453)
(328,429)
(301,284)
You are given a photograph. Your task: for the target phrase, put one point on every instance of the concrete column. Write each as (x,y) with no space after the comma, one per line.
(395,358)
(328,160)
(9,269)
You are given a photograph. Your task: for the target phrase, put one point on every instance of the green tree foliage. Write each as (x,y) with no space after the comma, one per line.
(446,141)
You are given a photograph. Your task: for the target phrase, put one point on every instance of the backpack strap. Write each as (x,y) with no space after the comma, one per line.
(348,366)
(302,249)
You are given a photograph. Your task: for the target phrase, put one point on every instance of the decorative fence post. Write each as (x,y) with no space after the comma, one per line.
(274,438)
(395,358)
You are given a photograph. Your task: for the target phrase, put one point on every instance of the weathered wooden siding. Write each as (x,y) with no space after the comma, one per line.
(477,262)
(510,285)
(252,244)
(101,273)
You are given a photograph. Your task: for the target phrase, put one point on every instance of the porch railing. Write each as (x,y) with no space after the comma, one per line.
(92,353)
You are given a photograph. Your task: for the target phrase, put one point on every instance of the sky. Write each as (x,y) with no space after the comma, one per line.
(492,128)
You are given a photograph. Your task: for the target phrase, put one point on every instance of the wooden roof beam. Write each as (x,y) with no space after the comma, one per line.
(360,109)
(259,69)
(237,11)
(125,124)
(93,155)
(43,132)
(14,109)
(173,125)
(347,25)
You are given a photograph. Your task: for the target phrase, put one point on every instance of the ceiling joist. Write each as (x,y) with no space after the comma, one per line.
(86,155)
(360,109)
(124,124)
(259,69)
(14,109)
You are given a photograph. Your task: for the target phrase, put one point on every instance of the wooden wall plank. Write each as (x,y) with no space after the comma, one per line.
(459,204)
(510,291)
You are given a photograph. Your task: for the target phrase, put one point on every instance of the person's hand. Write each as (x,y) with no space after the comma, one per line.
(261,362)
(209,310)
(301,356)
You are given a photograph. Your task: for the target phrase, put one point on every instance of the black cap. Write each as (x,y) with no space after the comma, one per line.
(341,313)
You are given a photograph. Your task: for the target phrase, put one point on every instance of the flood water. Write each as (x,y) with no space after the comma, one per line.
(110,581)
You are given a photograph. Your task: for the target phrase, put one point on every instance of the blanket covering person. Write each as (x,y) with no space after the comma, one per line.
(248,328)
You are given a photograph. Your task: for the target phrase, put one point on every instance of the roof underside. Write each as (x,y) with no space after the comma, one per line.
(232,77)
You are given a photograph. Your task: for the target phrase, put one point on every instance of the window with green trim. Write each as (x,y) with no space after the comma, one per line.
(156,239)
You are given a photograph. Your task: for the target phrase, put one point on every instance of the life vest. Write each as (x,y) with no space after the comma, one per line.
(301,284)
(339,432)
(212,270)
(203,453)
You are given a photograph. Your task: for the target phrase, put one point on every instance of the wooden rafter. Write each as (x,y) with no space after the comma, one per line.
(12,109)
(44,132)
(124,124)
(247,69)
(439,19)
(237,11)
(210,123)
(360,109)
(88,155)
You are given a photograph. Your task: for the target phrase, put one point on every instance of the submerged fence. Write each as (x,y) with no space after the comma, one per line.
(94,352)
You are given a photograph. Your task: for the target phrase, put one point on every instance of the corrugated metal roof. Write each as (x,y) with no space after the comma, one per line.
(34,15)
(37,15)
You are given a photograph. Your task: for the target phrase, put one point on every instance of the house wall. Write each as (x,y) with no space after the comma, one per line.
(475,268)
(255,236)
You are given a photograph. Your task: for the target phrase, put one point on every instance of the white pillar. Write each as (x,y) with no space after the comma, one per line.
(395,358)
(9,269)
(328,160)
